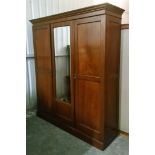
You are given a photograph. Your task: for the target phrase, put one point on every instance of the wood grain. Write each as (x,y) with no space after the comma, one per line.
(124,26)
(43,67)
(92,113)
(104,8)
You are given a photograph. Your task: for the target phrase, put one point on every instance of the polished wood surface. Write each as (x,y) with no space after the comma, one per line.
(42,47)
(105,8)
(89,48)
(88,64)
(44,91)
(112,77)
(88,107)
(124,26)
(62,110)
(92,113)
(43,67)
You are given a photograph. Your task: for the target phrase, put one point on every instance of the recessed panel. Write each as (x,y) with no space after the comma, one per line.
(89,106)
(89,48)
(44,63)
(42,42)
(44,91)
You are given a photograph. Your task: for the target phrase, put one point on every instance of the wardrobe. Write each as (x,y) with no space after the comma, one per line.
(77,56)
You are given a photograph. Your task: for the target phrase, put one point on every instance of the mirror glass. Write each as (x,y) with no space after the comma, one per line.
(62,62)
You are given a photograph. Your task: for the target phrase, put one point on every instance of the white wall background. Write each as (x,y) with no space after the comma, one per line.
(41,8)
(124,81)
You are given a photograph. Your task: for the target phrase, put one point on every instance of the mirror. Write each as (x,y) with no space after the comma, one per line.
(62,63)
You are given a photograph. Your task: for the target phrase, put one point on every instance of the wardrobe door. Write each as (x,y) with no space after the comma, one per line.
(62,71)
(88,75)
(42,46)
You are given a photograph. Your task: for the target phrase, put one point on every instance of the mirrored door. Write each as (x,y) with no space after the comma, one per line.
(62,63)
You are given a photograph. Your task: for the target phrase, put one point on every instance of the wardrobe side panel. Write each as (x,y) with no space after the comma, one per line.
(113,31)
(43,66)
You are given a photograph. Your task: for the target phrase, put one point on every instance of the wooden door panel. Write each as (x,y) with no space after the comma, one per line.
(42,41)
(89,68)
(63,79)
(42,46)
(64,112)
(44,91)
(89,54)
(43,63)
(89,107)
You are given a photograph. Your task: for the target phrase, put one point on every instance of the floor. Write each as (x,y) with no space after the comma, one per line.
(43,138)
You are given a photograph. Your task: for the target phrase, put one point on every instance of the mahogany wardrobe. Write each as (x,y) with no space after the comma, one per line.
(77,56)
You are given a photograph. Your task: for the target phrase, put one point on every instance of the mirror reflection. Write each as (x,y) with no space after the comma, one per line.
(62,62)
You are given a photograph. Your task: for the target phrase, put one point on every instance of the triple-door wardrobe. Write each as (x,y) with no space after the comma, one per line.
(77,56)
